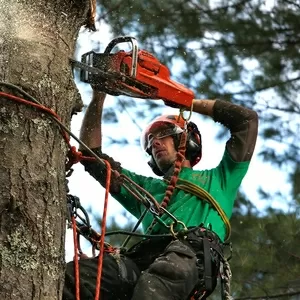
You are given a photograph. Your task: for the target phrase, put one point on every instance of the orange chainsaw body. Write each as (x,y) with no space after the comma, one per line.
(136,73)
(149,72)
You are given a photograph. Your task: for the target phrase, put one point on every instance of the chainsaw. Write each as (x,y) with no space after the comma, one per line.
(136,73)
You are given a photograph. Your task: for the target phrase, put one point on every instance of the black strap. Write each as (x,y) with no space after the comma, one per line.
(207,264)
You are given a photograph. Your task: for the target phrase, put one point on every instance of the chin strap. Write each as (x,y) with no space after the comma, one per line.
(170,170)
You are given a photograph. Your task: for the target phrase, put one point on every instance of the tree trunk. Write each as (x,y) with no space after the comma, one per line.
(36,40)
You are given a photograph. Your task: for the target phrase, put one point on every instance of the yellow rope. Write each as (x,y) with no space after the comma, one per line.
(204,195)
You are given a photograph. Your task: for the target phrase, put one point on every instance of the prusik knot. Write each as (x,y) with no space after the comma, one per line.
(74,157)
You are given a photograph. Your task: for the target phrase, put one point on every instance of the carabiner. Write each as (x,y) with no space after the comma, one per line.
(182,110)
(169,214)
(177,223)
(151,207)
(160,221)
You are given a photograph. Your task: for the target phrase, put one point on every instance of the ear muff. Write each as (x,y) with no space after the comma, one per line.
(194,144)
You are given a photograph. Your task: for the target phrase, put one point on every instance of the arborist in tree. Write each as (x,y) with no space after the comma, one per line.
(170,266)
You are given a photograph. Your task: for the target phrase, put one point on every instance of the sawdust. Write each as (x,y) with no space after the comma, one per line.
(23,21)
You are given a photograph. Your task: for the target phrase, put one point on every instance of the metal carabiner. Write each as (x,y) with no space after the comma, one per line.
(160,221)
(182,110)
(151,207)
(175,224)
(170,215)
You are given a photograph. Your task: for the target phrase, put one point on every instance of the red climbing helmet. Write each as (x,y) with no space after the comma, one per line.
(171,125)
(159,128)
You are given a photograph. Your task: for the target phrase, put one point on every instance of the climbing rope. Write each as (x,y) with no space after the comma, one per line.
(73,157)
(226,279)
(75,259)
(103,228)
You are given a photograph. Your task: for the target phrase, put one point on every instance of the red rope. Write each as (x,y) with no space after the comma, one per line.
(75,259)
(73,155)
(39,106)
(171,186)
(103,228)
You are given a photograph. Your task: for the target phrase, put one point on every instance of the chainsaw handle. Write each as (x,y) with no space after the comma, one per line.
(134,44)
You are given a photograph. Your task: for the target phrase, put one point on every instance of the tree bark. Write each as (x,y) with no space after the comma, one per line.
(36,40)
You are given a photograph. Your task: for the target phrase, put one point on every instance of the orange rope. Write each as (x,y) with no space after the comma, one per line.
(75,259)
(103,228)
(74,156)
(177,168)
(39,106)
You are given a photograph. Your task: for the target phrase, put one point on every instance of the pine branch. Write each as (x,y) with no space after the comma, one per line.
(264,88)
(219,8)
(292,3)
(269,297)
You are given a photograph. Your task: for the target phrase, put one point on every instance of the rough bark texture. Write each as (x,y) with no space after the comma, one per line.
(36,40)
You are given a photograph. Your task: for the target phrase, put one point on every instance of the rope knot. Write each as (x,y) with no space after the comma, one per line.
(74,157)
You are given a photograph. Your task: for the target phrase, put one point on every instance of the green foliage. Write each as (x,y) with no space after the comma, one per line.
(265,257)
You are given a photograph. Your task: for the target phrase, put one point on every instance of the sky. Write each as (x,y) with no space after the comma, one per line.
(91,193)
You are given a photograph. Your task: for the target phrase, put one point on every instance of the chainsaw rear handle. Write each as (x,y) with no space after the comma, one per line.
(135,49)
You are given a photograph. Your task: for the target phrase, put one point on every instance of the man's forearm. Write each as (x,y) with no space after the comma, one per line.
(90,132)
(204,106)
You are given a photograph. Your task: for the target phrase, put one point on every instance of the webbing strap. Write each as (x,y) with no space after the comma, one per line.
(207,265)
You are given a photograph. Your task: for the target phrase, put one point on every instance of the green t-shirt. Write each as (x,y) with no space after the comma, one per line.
(221,182)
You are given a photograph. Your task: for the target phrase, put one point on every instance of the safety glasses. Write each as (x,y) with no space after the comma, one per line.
(158,132)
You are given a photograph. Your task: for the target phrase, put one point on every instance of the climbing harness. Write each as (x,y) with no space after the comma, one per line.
(136,73)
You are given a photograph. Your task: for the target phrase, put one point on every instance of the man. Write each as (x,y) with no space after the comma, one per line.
(171,267)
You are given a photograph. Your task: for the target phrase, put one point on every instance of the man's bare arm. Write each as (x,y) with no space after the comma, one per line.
(204,106)
(90,132)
